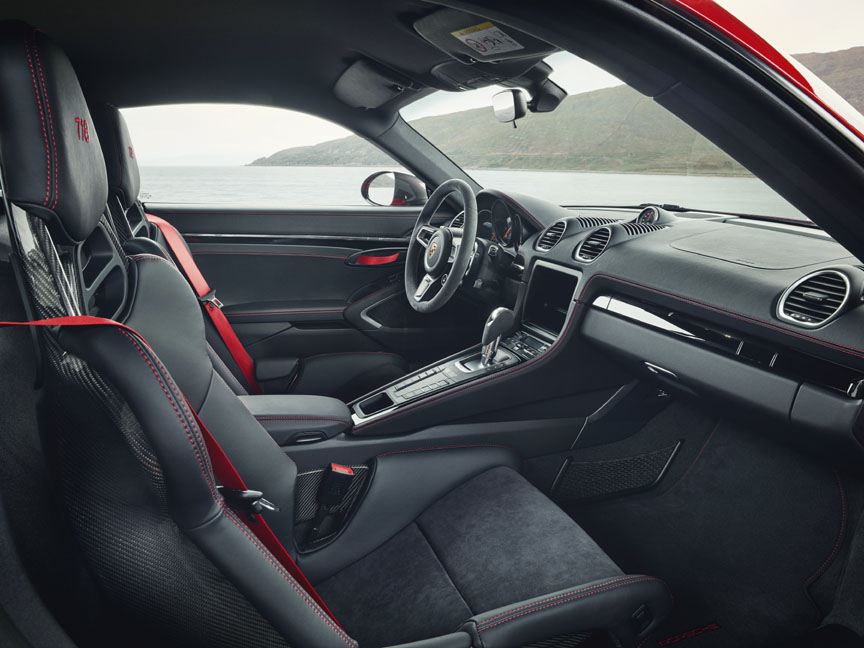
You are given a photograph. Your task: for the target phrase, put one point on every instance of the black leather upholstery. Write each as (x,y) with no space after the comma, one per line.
(195,505)
(609,603)
(121,163)
(50,150)
(176,333)
(286,417)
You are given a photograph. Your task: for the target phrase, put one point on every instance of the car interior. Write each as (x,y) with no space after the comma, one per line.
(463,417)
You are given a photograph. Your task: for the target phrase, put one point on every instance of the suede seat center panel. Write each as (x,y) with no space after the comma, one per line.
(491,542)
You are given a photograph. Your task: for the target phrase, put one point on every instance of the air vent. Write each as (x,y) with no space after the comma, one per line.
(637,229)
(549,239)
(459,221)
(816,299)
(593,246)
(590,222)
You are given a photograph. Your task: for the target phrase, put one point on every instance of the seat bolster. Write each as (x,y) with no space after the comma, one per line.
(454,640)
(404,484)
(141,245)
(269,587)
(629,607)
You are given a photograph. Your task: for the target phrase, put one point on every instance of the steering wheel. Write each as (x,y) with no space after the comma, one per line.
(444,252)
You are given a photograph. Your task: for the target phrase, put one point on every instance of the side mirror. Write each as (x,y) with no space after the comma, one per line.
(509,106)
(393,189)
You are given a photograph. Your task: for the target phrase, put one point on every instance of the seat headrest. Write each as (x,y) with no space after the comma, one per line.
(120,161)
(51,156)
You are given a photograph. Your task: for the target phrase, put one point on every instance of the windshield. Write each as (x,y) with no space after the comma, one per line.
(607,144)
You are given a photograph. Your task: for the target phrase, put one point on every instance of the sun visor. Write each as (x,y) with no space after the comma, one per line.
(366,84)
(469,38)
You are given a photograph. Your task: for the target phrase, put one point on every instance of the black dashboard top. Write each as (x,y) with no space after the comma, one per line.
(720,267)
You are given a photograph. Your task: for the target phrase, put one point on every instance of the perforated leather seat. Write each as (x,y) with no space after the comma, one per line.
(341,375)
(448,545)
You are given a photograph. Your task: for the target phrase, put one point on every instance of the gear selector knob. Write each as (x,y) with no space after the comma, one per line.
(500,321)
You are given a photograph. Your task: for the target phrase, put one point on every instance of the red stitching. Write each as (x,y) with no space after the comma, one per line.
(324,355)
(302,418)
(266,553)
(206,474)
(376,292)
(287,254)
(482,381)
(283,312)
(561,602)
(553,350)
(447,447)
(837,543)
(290,579)
(50,124)
(552,598)
(746,318)
(42,119)
(151,257)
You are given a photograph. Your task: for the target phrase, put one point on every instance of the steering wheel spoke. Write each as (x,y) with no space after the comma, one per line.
(424,235)
(425,284)
(453,252)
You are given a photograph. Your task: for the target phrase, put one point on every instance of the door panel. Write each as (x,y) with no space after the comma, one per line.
(245,274)
(301,282)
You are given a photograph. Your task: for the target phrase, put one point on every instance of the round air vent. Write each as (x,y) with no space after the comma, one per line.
(593,246)
(549,239)
(815,299)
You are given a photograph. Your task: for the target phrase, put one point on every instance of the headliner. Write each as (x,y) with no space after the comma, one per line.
(265,52)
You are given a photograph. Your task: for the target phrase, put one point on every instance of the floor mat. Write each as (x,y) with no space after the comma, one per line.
(739,535)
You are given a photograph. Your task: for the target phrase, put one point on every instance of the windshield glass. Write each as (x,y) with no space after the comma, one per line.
(607,144)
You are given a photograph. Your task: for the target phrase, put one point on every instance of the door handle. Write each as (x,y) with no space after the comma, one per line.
(377,258)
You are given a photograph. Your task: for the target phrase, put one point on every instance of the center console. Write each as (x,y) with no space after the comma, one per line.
(547,305)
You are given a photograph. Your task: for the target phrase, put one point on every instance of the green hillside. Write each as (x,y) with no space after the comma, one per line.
(609,130)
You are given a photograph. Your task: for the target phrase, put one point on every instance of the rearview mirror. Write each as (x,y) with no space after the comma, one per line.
(393,189)
(509,106)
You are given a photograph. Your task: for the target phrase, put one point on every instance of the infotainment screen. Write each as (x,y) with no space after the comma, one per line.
(550,295)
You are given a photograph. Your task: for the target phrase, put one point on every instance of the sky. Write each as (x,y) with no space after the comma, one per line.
(195,135)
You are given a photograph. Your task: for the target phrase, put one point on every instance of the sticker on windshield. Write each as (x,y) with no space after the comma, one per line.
(487,39)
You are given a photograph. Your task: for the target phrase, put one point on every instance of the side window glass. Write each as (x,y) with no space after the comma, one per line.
(249,155)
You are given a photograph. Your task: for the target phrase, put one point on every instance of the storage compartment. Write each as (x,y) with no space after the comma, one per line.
(374,404)
(550,295)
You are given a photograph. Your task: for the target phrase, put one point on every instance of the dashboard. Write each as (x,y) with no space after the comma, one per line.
(501,220)
(763,314)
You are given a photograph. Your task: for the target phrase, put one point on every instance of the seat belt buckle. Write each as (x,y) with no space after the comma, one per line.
(250,502)
(334,487)
(210,299)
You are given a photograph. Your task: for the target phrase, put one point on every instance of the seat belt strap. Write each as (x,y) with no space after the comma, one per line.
(223,469)
(212,306)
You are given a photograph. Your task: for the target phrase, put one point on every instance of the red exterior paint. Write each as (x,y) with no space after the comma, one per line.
(720,20)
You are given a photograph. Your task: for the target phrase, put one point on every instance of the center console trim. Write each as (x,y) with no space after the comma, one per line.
(524,331)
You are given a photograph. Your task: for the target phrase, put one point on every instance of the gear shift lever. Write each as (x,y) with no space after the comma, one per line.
(500,321)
